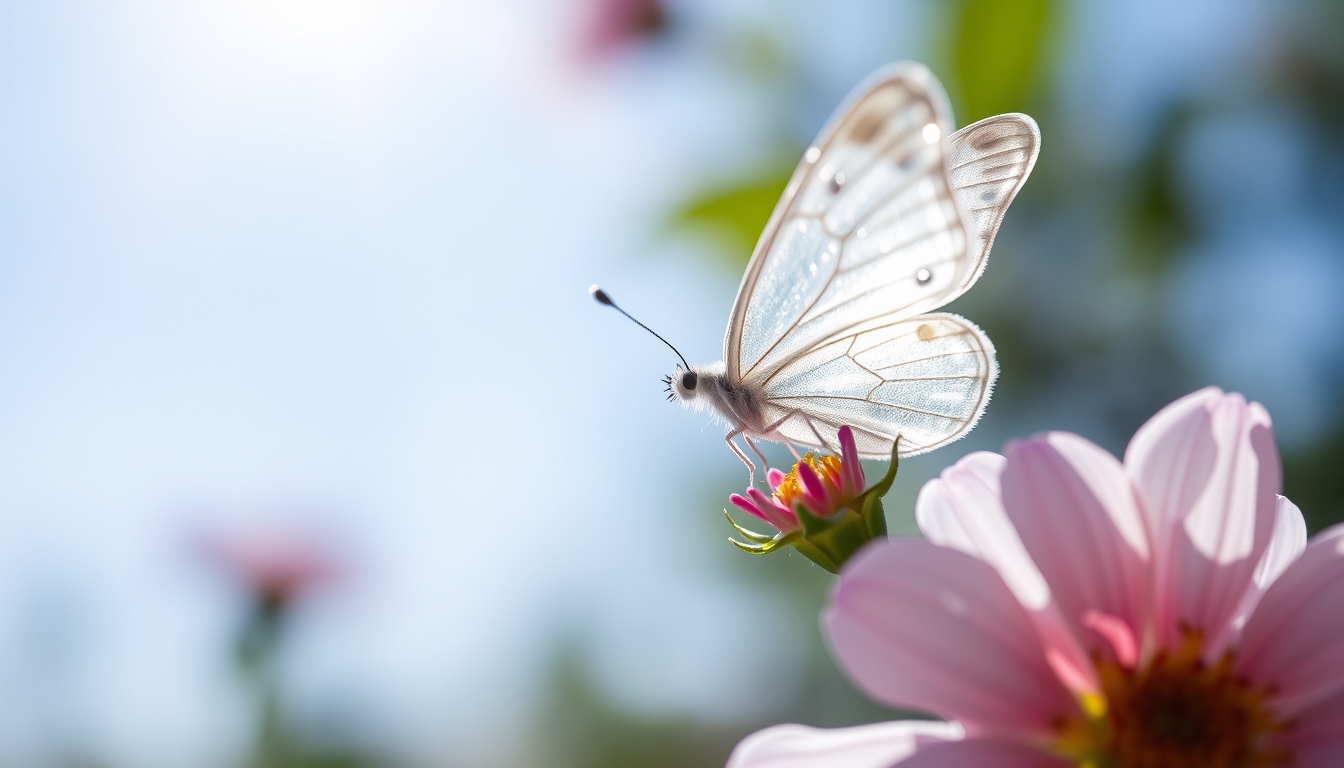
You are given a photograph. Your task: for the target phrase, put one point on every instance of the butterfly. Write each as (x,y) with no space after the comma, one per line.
(889,216)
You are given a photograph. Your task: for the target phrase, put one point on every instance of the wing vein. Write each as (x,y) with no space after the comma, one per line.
(986,156)
(907,408)
(987,182)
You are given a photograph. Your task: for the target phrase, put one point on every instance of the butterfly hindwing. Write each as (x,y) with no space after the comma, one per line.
(927,379)
(989,161)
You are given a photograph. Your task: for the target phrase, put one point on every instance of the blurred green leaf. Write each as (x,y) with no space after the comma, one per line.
(734,215)
(1160,222)
(582,728)
(995,49)
(1313,481)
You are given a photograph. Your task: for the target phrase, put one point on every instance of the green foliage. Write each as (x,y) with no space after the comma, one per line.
(734,214)
(1312,479)
(1160,222)
(996,50)
(581,728)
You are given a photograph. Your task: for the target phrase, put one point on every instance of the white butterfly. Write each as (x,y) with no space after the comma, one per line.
(889,216)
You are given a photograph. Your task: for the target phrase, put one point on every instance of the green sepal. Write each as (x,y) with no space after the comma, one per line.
(816,555)
(880,488)
(758,538)
(835,537)
(764,544)
(767,547)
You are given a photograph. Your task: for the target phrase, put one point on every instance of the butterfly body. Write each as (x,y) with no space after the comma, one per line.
(741,406)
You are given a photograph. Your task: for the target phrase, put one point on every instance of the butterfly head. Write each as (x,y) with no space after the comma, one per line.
(682,384)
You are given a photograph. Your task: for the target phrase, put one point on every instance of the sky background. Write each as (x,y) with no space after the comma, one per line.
(321,268)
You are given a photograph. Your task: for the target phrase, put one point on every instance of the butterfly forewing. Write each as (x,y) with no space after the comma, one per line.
(866,233)
(926,379)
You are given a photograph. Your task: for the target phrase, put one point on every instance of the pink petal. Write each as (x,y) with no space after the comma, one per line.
(1285,544)
(1072,504)
(1171,458)
(1328,755)
(867,746)
(850,468)
(984,753)
(1206,472)
(1294,640)
(963,509)
(1119,634)
(1319,727)
(815,491)
(747,506)
(784,520)
(927,627)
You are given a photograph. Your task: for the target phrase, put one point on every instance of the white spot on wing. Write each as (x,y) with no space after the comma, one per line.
(932,133)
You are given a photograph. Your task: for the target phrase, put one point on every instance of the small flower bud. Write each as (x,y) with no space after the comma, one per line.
(819,508)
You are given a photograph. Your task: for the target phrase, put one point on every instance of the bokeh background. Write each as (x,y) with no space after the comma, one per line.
(315,452)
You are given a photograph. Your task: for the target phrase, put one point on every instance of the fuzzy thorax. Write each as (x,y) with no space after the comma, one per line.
(706,388)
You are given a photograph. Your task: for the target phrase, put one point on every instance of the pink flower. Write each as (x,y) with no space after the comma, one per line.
(613,24)
(276,564)
(820,508)
(823,485)
(1072,610)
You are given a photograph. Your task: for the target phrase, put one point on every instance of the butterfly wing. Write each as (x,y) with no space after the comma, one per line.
(871,227)
(884,219)
(988,162)
(926,379)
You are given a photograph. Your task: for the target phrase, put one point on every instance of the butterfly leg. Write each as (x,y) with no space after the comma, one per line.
(751,468)
(787,443)
(764,462)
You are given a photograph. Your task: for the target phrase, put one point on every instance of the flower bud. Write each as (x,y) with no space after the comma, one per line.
(819,508)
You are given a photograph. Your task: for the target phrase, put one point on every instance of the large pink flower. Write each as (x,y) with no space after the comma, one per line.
(1071,610)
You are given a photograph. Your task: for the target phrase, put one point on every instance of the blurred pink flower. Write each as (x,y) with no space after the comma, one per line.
(823,485)
(1071,610)
(276,564)
(612,24)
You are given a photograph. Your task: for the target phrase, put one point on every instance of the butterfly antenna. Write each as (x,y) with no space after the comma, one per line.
(602,298)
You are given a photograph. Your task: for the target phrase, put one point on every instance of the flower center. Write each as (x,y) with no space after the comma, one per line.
(1177,711)
(827,469)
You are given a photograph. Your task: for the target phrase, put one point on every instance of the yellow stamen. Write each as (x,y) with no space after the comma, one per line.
(827,468)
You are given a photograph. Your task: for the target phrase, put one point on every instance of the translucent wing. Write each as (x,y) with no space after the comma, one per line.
(882,220)
(926,379)
(988,162)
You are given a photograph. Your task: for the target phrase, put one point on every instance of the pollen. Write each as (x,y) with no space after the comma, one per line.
(827,468)
(1175,711)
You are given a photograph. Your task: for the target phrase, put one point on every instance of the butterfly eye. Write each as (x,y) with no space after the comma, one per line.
(689,380)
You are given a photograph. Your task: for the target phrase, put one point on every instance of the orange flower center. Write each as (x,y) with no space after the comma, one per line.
(1177,711)
(827,469)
